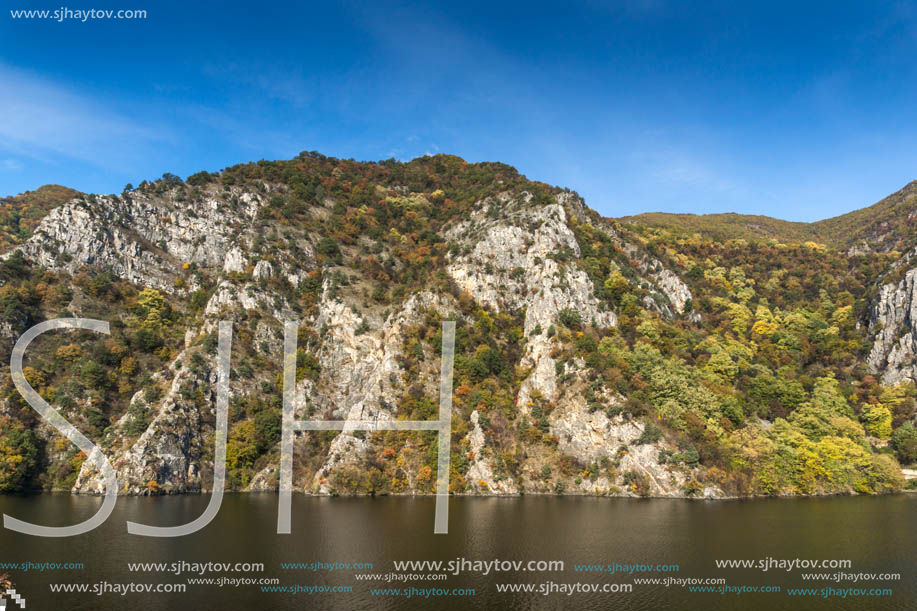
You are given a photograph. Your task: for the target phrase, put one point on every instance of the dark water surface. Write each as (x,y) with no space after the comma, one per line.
(876,534)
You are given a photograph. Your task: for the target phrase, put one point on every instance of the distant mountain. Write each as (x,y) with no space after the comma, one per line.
(729,226)
(885,226)
(663,355)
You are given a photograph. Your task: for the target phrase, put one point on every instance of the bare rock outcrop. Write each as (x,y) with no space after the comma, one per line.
(891,323)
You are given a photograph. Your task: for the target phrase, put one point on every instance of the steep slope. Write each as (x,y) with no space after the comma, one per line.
(883,227)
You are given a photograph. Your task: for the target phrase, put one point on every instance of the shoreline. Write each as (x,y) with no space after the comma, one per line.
(59,492)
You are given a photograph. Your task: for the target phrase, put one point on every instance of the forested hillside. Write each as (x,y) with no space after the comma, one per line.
(668,355)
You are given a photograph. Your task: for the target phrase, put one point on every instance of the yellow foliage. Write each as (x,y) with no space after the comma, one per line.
(815,246)
(878,419)
(35,378)
(842,315)
(69,353)
(128,365)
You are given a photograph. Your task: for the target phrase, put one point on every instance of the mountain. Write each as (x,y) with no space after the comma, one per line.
(658,355)
(729,226)
(884,226)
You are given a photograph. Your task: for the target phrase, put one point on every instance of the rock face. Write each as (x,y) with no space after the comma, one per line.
(480,475)
(892,319)
(363,375)
(592,437)
(263,270)
(169,451)
(545,287)
(673,287)
(140,239)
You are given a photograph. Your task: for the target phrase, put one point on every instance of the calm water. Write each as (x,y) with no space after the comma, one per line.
(876,534)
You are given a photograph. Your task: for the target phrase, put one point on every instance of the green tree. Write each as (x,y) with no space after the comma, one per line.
(19,456)
(329,247)
(904,442)
(616,285)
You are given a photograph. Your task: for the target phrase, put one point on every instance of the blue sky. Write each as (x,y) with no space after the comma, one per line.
(796,110)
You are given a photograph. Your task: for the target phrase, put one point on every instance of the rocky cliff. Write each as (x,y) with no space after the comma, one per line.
(891,323)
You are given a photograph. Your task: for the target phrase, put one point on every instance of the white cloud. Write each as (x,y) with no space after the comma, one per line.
(687,162)
(44,120)
(11,165)
(678,170)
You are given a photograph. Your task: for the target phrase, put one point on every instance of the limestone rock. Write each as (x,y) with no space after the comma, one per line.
(891,323)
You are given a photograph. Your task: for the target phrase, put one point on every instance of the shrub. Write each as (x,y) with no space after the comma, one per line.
(147,340)
(637,482)
(267,429)
(904,442)
(570,318)
(69,352)
(651,434)
(307,366)
(201,178)
(329,248)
